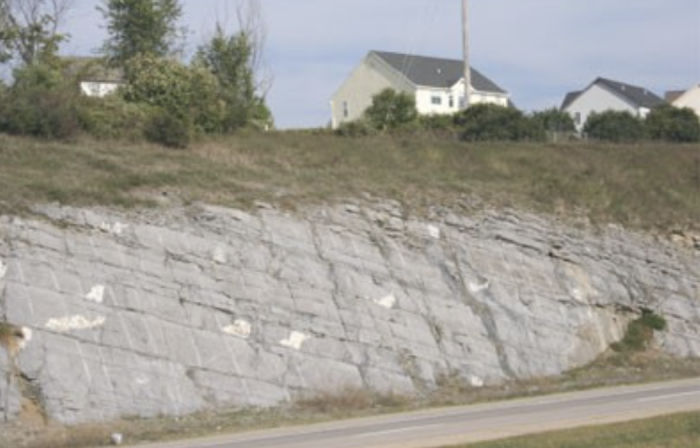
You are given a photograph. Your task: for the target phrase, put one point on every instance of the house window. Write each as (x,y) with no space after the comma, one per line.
(452,102)
(346,109)
(436,100)
(577,118)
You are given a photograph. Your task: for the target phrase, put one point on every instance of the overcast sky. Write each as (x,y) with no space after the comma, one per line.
(535,49)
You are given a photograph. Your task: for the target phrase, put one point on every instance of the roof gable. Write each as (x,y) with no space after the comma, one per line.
(91,69)
(638,96)
(435,72)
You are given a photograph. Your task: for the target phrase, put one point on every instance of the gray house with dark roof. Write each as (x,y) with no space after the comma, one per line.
(604,94)
(438,85)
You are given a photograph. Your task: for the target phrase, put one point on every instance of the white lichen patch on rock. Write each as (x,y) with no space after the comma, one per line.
(240,328)
(26,337)
(115,229)
(219,255)
(295,340)
(74,323)
(475,381)
(388,302)
(476,288)
(434,231)
(96,294)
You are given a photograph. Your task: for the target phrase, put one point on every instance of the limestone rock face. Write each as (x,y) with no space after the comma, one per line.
(168,312)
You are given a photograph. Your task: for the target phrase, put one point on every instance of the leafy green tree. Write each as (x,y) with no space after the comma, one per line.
(614,126)
(391,109)
(230,59)
(491,122)
(190,94)
(141,27)
(673,124)
(29,29)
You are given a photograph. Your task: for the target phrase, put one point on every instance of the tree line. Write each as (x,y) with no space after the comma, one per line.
(163,98)
(393,111)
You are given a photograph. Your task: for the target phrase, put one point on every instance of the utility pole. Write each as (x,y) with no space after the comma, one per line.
(467,68)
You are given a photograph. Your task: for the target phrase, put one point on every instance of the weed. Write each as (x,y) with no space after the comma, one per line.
(640,332)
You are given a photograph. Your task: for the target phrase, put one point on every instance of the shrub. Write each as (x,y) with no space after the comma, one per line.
(673,124)
(41,103)
(555,123)
(391,109)
(640,332)
(614,126)
(169,130)
(357,128)
(490,122)
(188,94)
(114,118)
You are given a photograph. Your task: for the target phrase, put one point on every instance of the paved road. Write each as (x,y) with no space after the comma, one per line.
(440,427)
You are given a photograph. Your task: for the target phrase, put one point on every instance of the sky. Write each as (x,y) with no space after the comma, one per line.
(537,50)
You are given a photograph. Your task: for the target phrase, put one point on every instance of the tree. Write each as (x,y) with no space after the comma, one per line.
(141,27)
(673,124)
(230,59)
(29,29)
(391,109)
(614,126)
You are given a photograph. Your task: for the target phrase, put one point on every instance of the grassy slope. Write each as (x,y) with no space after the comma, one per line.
(647,186)
(677,431)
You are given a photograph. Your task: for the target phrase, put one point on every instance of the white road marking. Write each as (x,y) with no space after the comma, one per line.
(668,397)
(399,430)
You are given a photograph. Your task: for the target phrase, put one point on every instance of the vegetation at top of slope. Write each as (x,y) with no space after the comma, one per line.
(652,185)
(674,431)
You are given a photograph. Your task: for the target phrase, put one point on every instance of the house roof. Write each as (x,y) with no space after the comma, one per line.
(91,69)
(673,95)
(569,98)
(636,95)
(435,72)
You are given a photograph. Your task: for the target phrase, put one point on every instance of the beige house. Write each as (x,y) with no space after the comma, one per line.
(689,98)
(438,85)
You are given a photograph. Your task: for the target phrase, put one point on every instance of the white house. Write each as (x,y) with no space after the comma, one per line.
(689,98)
(94,78)
(438,85)
(603,95)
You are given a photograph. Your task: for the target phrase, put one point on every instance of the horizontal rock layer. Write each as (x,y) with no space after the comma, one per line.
(169,312)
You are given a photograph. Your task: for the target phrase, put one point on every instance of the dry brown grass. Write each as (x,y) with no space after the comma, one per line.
(612,369)
(644,186)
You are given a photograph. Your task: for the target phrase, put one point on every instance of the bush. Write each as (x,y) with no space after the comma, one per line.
(114,118)
(357,128)
(391,109)
(640,332)
(673,124)
(556,124)
(41,103)
(554,120)
(169,130)
(490,122)
(614,126)
(189,95)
